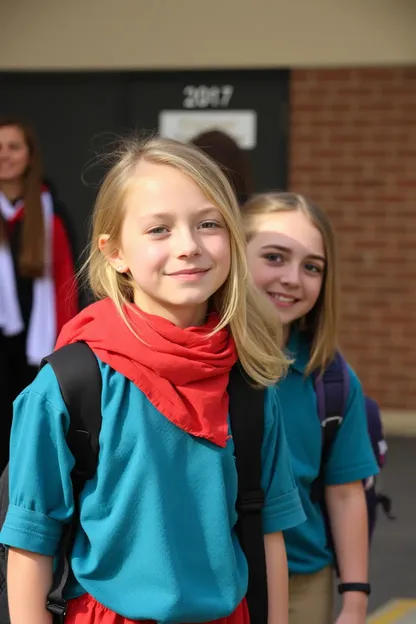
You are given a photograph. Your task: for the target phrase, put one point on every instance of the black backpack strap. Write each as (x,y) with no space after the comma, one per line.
(332,388)
(79,377)
(247,426)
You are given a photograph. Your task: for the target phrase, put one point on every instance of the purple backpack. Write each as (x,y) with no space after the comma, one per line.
(332,389)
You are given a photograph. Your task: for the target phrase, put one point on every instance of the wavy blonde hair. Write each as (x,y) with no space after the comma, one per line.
(321,323)
(241,307)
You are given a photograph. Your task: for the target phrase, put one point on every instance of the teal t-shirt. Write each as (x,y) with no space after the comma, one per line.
(156,538)
(351,459)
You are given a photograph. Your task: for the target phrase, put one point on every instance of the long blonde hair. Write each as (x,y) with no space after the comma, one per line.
(321,323)
(248,314)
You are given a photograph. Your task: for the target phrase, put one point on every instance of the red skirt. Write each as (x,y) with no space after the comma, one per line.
(86,610)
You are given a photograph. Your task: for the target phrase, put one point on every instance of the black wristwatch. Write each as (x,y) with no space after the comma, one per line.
(365,588)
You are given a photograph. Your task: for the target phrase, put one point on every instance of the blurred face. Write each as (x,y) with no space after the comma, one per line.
(175,244)
(14,154)
(286,257)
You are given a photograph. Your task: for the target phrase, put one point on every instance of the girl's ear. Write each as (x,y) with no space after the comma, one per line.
(111,253)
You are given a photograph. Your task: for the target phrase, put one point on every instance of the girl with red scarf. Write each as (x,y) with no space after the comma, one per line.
(156,540)
(37,287)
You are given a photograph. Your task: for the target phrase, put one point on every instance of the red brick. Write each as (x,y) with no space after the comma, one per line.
(325,123)
(340,108)
(373,74)
(410,153)
(408,73)
(367,183)
(351,150)
(376,153)
(342,75)
(390,199)
(384,106)
(348,198)
(408,183)
(302,107)
(325,153)
(347,137)
(304,75)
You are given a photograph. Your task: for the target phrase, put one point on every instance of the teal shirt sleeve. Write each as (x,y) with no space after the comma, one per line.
(40,489)
(283,508)
(352,457)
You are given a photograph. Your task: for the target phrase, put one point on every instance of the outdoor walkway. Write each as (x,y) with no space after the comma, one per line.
(393,558)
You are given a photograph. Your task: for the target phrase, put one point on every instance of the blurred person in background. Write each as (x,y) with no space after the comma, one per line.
(232,160)
(38,292)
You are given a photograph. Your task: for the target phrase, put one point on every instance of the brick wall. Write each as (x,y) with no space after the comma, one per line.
(353,149)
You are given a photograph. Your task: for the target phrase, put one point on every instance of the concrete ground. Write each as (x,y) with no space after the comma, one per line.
(393,557)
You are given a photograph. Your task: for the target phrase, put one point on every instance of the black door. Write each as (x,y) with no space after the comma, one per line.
(78,115)
(74,116)
(251,104)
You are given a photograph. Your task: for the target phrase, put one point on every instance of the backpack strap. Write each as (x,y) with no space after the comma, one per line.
(247,426)
(375,430)
(332,389)
(79,377)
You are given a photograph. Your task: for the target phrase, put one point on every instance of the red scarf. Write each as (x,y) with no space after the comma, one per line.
(183,373)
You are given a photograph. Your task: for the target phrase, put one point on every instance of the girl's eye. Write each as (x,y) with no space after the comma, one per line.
(160,229)
(209,225)
(313,268)
(273,257)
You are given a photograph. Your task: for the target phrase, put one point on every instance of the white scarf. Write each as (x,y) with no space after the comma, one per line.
(41,332)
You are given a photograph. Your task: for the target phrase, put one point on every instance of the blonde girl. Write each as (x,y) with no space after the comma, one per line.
(156,539)
(291,252)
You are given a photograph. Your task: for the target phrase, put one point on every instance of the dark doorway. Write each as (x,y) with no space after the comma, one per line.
(78,114)
(252,103)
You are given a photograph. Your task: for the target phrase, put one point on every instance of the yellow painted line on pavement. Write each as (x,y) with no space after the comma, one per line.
(392,611)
